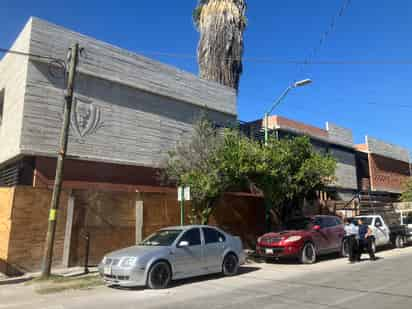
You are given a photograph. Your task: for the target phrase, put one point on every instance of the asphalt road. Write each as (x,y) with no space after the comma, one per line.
(330,283)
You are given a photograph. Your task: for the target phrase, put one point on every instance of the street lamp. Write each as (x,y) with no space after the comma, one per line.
(300,83)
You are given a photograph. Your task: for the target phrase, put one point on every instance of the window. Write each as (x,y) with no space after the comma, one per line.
(212,236)
(192,237)
(321,222)
(330,221)
(378,222)
(1,104)
(162,238)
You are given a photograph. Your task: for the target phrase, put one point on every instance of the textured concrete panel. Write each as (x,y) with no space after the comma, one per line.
(111,122)
(339,135)
(105,61)
(382,148)
(346,169)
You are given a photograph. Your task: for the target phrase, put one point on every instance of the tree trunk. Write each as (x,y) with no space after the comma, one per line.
(221,24)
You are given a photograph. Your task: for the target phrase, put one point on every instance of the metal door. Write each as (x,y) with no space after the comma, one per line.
(188,261)
(215,245)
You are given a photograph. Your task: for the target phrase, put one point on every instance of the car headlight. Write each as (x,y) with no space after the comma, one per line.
(293,238)
(104,260)
(259,239)
(128,262)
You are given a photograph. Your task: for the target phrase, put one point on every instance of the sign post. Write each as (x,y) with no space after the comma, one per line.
(183,194)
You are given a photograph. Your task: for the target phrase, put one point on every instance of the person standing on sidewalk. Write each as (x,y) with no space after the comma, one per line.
(365,240)
(352,234)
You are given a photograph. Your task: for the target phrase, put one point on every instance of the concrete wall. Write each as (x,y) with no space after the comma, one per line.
(111,63)
(339,135)
(345,169)
(13,75)
(130,126)
(388,150)
(127,108)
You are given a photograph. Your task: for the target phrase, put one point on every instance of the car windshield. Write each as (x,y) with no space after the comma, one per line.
(299,224)
(162,238)
(365,220)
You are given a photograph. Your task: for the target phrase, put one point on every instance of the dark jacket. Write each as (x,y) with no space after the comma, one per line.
(363,230)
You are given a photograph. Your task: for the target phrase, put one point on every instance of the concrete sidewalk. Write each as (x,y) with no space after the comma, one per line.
(66,272)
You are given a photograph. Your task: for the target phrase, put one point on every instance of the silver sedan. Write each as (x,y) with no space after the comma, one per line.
(174,253)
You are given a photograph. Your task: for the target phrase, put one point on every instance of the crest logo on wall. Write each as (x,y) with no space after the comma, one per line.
(85,117)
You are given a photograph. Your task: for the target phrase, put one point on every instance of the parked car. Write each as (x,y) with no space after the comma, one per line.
(304,238)
(174,253)
(385,233)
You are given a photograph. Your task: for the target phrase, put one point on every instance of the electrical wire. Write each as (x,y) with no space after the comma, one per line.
(16,52)
(250,59)
(324,35)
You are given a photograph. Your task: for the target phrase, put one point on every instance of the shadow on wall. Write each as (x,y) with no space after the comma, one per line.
(243,216)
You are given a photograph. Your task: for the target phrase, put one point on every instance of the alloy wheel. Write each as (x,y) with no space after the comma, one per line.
(230,265)
(159,276)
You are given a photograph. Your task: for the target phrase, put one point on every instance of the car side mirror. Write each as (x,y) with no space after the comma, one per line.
(377,224)
(316,228)
(183,244)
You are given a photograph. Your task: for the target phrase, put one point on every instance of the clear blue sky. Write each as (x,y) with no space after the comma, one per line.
(373,99)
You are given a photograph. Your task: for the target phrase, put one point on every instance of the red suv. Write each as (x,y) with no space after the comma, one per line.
(304,238)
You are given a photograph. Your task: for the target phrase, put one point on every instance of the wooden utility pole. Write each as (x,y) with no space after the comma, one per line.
(64,136)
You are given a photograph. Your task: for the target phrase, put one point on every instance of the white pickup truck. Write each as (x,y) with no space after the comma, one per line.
(384,234)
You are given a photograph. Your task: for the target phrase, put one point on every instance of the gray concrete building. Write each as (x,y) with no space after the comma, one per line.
(374,168)
(128,110)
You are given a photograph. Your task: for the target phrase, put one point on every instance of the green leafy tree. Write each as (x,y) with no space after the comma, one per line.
(290,172)
(195,163)
(407,194)
(221,24)
(212,162)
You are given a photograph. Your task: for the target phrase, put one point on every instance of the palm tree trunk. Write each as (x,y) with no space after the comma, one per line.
(221,24)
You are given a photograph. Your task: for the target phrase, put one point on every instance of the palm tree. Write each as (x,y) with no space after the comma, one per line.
(221,24)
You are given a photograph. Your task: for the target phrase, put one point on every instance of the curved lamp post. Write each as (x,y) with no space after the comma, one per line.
(300,83)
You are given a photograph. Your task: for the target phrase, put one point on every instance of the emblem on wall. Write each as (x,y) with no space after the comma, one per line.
(86,117)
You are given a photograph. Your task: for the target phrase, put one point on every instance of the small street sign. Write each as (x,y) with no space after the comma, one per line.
(187,193)
(183,193)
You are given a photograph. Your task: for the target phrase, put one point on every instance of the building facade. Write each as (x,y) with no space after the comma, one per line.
(375,168)
(128,110)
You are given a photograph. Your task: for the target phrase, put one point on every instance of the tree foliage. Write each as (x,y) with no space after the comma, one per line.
(407,194)
(212,162)
(221,24)
(195,163)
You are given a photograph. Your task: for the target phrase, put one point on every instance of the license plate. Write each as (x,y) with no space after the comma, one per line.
(269,251)
(107,270)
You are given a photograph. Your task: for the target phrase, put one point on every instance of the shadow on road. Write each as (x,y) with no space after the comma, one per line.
(242,271)
(320,259)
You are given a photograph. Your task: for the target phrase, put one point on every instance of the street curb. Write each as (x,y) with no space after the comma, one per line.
(15,280)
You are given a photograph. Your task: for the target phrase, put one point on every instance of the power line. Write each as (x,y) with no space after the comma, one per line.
(291,61)
(16,52)
(324,35)
(250,59)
